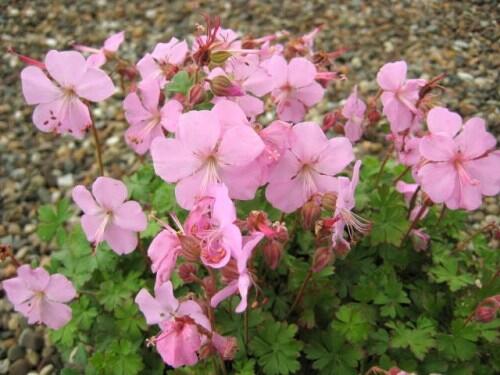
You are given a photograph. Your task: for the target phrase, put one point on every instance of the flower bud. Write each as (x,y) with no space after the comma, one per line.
(329,200)
(280,232)
(373,116)
(338,128)
(227,346)
(218,58)
(187,272)
(322,258)
(342,248)
(273,250)
(209,286)
(329,121)
(191,248)
(257,219)
(222,86)
(310,212)
(195,94)
(485,314)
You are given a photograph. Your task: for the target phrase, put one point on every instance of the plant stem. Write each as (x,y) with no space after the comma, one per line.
(414,223)
(6,252)
(412,201)
(402,174)
(245,329)
(384,162)
(442,214)
(300,294)
(97,145)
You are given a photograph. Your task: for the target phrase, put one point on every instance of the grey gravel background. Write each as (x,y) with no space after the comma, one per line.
(455,37)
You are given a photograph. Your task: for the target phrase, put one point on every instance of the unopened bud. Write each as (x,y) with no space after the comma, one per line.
(322,258)
(227,346)
(191,248)
(373,116)
(338,128)
(273,250)
(218,58)
(310,212)
(195,94)
(485,314)
(230,271)
(329,121)
(329,200)
(187,272)
(209,285)
(280,232)
(341,248)
(257,219)
(222,86)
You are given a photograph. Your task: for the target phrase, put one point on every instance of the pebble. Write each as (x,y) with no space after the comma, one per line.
(47,370)
(15,353)
(65,181)
(31,340)
(4,366)
(32,357)
(20,367)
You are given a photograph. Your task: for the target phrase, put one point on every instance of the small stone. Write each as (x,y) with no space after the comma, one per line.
(465,76)
(32,357)
(14,322)
(15,353)
(4,366)
(31,340)
(47,370)
(66,180)
(20,367)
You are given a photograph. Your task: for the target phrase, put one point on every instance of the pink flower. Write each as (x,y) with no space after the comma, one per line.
(399,95)
(180,339)
(59,107)
(242,284)
(164,62)
(40,297)
(408,190)
(223,237)
(99,56)
(407,148)
(276,137)
(109,218)
(147,117)
(163,252)
(459,169)
(354,111)
(307,167)
(209,147)
(343,215)
(295,88)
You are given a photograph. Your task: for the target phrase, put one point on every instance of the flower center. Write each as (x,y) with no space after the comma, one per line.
(306,175)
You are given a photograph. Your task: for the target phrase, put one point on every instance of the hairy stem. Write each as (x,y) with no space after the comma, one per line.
(382,166)
(97,145)
(302,289)
(413,200)
(401,175)
(414,223)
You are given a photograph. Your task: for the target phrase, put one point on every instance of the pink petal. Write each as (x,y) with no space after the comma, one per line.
(353,130)
(121,241)
(438,180)
(199,131)
(151,307)
(223,209)
(308,141)
(194,311)
(139,138)
(150,94)
(35,279)
(335,157)
(470,195)
(278,69)
(243,286)
(84,199)
(259,83)
(77,118)
(251,106)
(165,294)
(163,252)
(54,314)
(399,115)
(60,289)
(37,88)
(240,145)
(149,69)
(243,181)
(66,67)
(324,183)
(16,290)
(441,120)
(392,75)
(250,242)
(290,109)
(310,94)
(224,293)
(170,114)
(44,119)
(231,238)
(172,161)
(229,114)
(93,226)
(190,188)
(109,193)
(301,72)
(286,196)
(437,147)
(96,60)
(487,171)
(286,169)
(114,41)
(95,85)
(134,110)
(130,216)
(474,141)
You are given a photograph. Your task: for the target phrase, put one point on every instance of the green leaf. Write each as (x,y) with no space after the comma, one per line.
(276,349)
(181,83)
(129,320)
(332,355)
(151,231)
(118,290)
(83,313)
(120,359)
(244,367)
(51,220)
(419,339)
(354,322)
(447,271)
(164,198)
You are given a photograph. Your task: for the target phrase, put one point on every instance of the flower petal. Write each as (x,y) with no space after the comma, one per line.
(438,180)
(301,72)
(278,69)
(310,94)
(109,193)
(229,114)
(121,241)
(130,216)
(84,199)
(474,141)
(60,289)
(437,147)
(37,88)
(308,141)
(199,131)
(66,67)
(442,120)
(240,145)
(95,85)
(335,157)
(16,290)
(54,314)
(392,75)
(35,278)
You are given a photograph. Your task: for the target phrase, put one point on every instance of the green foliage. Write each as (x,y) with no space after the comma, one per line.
(121,358)
(419,339)
(52,219)
(354,322)
(180,83)
(276,348)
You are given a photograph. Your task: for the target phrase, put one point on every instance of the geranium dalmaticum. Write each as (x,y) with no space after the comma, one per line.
(148,116)
(163,63)
(58,98)
(40,297)
(209,147)
(461,163)
(354,111)
(107,216)
(308,167)
(295,87)
(99,56)
(343,215)
(399,96)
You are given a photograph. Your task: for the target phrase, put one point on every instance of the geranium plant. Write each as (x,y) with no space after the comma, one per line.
(255,237)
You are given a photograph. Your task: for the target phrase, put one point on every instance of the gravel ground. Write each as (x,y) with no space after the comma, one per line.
(457,38)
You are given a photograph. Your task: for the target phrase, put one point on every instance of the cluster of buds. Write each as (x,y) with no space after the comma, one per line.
(488,309)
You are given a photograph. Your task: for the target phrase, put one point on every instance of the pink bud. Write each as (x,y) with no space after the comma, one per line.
(485,314)
(273,250)
(322,258)
(187,272)
(222,86)
(310,212)
(191,248)
(196,94)
(329,200)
